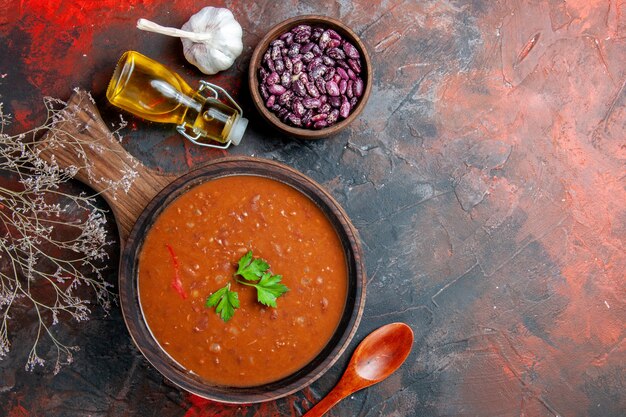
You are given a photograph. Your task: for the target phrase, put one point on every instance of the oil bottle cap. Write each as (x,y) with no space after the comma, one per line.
(236,132)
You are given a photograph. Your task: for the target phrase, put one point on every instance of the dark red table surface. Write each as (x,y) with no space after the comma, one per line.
(486,177)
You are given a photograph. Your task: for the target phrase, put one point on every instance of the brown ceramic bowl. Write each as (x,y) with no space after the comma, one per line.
(274,33)
(150,348)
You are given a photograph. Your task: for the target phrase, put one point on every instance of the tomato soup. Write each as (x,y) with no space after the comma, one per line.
(197,241)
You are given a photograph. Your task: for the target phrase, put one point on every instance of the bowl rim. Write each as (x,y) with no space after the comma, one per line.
(262,46)
(171,370)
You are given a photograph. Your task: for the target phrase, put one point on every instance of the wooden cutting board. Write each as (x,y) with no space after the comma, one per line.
(139,205)
(109,159)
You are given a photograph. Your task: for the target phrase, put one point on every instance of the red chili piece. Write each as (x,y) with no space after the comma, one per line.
(177,283)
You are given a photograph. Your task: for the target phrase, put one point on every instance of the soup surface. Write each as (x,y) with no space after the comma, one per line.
(207,230)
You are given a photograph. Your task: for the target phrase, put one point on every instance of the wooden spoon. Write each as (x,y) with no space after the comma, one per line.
(379,355)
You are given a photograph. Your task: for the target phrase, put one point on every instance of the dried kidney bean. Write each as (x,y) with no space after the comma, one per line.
(332,88)
(297,67)
(306,119)
(272,79)
(350,50)
(276,52)
(343,64)
(328,61)
(321,86)
(314,63)
(333,34)
(283,112)
(310,77)
(332,116)
(354,65)
(344,110)
(335,102)
(263,75)
(323,40)
(336,53)
(343,84)
(264,93)
(287,37)
(312,89)
(329,74)
(333,43)
(307,48)
(301,33)
(357,87)
(295,120)
(294,50)
(298,108)
(276,89)
(317,32)
(278,42)
(311,103)
(285,79)
(279,64)
(299,88)
(307,57)
(318,71)
(288,67)
(285,98)
(318,117)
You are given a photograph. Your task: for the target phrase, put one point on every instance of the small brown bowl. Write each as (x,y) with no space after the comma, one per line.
(274,33)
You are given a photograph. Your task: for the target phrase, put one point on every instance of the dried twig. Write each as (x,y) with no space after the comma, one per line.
(43,241)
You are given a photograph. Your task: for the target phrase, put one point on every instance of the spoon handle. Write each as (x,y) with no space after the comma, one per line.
(334,396)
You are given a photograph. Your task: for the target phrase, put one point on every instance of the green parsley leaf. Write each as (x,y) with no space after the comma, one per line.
(225,300)
(251,269)
(268,289)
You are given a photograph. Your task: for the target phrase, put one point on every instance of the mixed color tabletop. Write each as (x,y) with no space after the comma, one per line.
(486,178)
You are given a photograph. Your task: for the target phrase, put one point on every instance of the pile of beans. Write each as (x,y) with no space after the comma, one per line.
(311,77)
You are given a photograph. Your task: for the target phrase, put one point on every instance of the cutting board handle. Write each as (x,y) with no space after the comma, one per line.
(108,161)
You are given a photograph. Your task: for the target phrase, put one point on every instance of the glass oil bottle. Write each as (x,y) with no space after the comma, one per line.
(149,90)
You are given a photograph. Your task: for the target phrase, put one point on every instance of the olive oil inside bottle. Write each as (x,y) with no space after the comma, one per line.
(147,89)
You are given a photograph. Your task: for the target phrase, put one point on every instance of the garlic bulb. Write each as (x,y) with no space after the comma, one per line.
(212,38)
